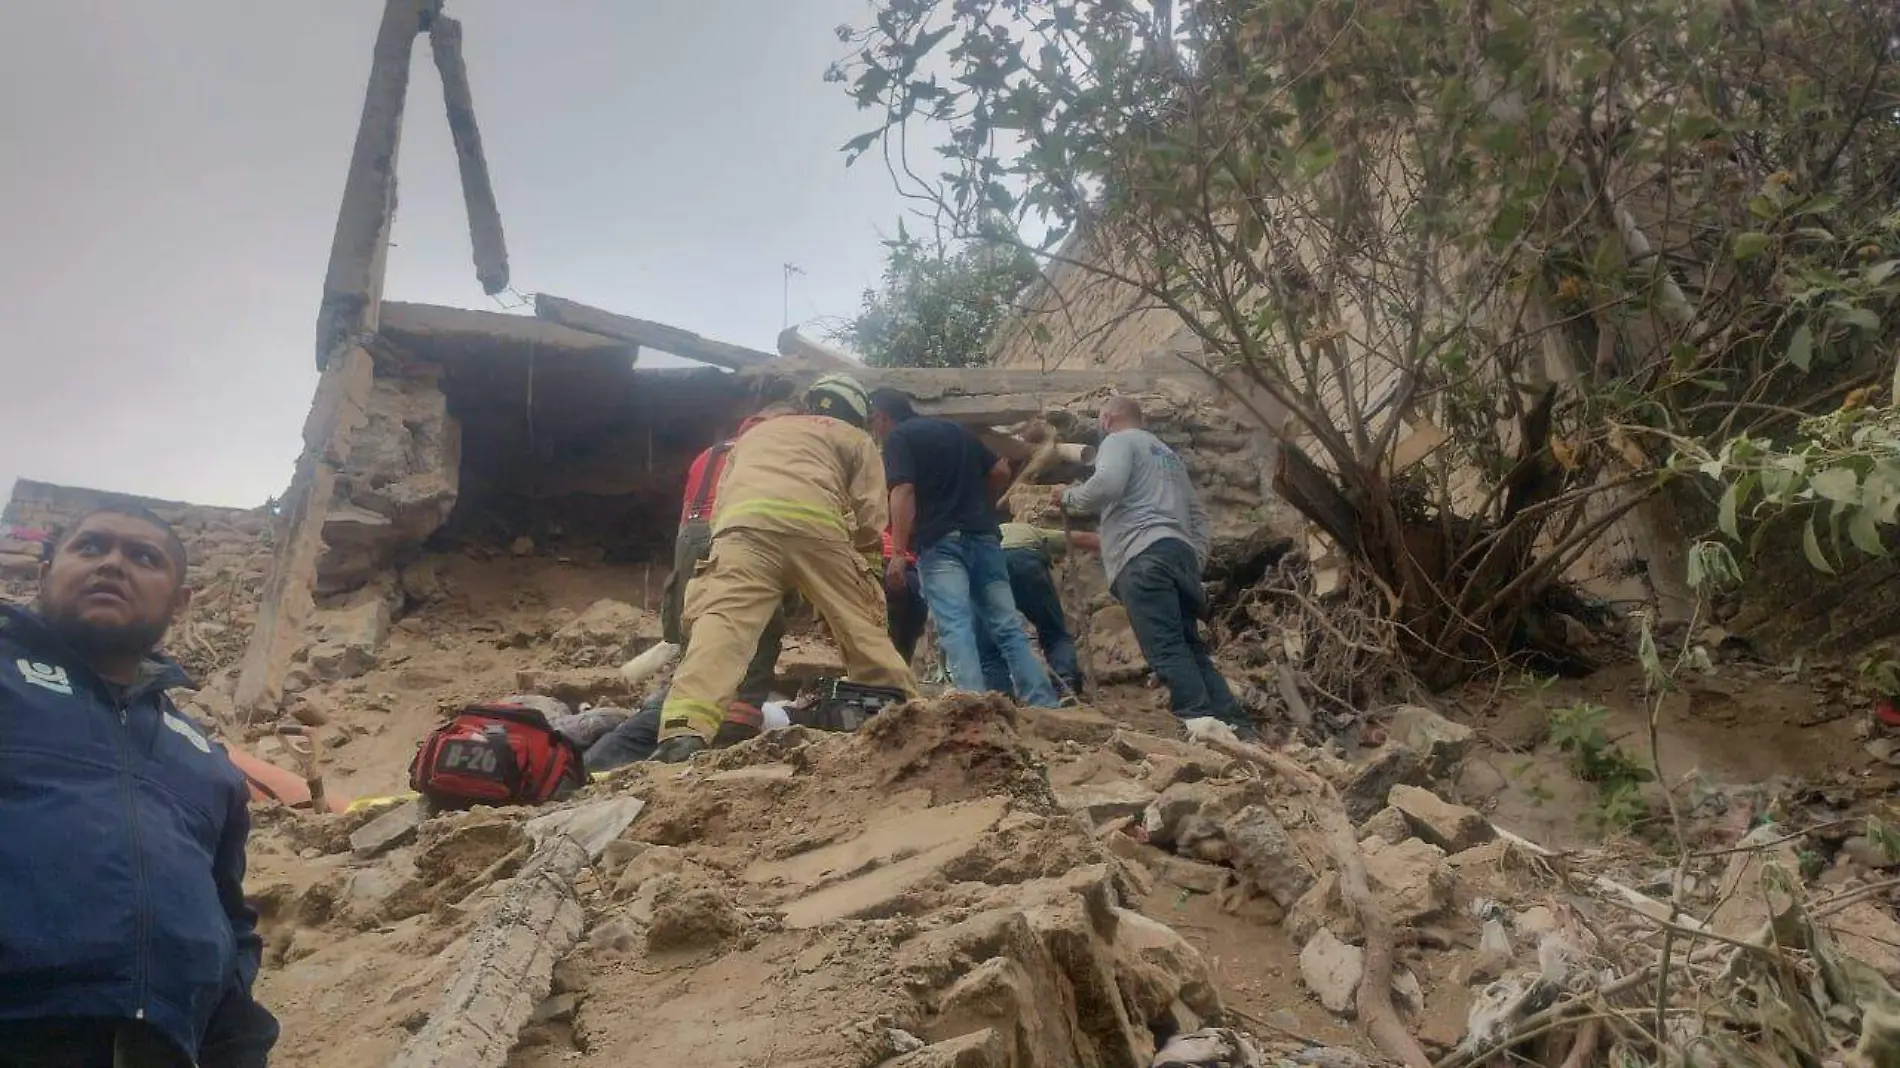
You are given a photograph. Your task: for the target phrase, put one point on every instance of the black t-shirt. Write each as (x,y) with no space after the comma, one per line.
(950,468)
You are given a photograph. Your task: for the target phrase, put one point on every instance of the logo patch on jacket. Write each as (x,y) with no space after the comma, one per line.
(188,732)
(45,676)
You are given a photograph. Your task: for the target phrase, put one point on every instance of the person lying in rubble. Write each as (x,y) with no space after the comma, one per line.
(125,941)
(1154,542)
(801,507)
(1029,553)
(944,485)
(690,548)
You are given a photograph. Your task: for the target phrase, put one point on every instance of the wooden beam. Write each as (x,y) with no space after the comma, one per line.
(647,334)
(975,396)
(794,345)
(347,318)
(353,284)
(484,218)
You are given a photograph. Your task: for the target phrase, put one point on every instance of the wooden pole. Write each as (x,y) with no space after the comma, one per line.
(346,320)
(484,218)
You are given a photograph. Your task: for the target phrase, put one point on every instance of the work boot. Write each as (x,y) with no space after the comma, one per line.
(678,749)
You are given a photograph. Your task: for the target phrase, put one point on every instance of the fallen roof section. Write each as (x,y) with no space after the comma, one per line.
(437,331)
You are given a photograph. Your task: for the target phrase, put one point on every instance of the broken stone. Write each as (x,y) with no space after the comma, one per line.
(1190,875)
(557,1007)
(1320,907)
(979,1049)
(1407,995)
(1452,828)
(522,546)
(1167,818)
(1084,725)
(1159,972)
(1187,762)
(1332,969)
(388,830)
(1411,879)
(1106,801)
(349,639)
(1443,743)
(592,826)
(1534,922)
(653,861)
(1114,654)
(1366,793)
(1264,853)
(1388,825)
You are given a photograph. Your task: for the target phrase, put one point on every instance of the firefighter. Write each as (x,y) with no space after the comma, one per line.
(801,507)
(691,545)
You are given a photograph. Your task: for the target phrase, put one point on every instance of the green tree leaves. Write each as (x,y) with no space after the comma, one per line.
(937,308)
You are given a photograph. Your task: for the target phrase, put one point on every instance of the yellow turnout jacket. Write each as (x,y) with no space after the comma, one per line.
(808,475)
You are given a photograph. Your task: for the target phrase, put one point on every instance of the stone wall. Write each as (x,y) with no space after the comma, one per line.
(229,551)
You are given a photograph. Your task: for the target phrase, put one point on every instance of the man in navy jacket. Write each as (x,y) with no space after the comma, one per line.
(124,938)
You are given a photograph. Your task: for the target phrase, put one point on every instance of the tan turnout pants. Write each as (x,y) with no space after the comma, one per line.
(733,596)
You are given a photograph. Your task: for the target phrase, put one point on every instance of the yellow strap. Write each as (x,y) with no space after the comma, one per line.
(780,509)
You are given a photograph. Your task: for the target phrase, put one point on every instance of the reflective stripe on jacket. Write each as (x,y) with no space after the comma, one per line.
(808,475)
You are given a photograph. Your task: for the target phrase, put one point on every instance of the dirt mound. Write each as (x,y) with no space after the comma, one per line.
(909,895)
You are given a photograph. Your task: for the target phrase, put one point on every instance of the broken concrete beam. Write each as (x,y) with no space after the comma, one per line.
(593,826)
(796,346)
(507,969)
(484,218)
(647,334)
(440,332)
(1452,828)
(388,830)
(353,283)
(983,397)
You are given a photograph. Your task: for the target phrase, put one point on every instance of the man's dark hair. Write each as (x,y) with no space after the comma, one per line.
(174,546)
(894,403)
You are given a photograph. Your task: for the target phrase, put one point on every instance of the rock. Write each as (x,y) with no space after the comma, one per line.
(1266,855)
(1407,995)
(1106,801)
(1366,794)
(689,914)
(1154,749)
(654,861)
(310,710)
(607,633)
(592,826)
(522,546)
(1869,934)
(423,582)
(985,1048)
(1479,779)
(387,831)
(1442,742)
(1080,724)
(1534,922)
(1170,813)
(1214,1047)
(1411,879)
(556,1007)
(1114,654)
(1452,828)
(1320,907)
(1867,853)
(1388,825)
(1332,969)
(1159,973)
(349,639)
(19,566)
(1190,875)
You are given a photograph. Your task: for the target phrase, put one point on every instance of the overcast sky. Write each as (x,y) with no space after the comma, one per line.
(170,172)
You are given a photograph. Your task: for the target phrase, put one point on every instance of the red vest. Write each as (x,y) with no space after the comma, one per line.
(702,483)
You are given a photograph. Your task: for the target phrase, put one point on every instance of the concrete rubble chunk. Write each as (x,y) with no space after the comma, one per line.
(1410,879)
(1366,794)
(592,825)
(1320,907)
(1084,725)
(1169,815)
(1106,801)
(1441,742)
(387,831)
(1452,828)
(1186,761)
(1331,969)
(1191,875)
(1265,854)
(349,639)
(1389,825)
(979,1049)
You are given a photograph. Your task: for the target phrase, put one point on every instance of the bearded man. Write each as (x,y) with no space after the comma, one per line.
(125,941)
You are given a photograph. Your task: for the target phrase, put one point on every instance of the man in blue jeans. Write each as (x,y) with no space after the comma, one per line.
(943,485)
(1029,552)
(1154,541)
